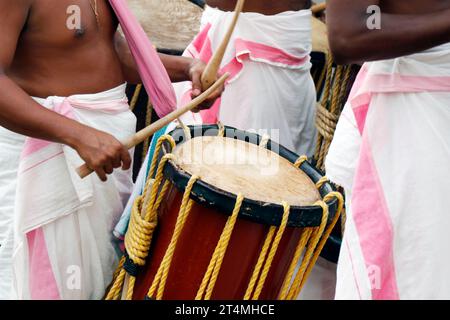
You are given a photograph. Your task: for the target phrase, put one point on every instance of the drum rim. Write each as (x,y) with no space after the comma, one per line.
(252,210)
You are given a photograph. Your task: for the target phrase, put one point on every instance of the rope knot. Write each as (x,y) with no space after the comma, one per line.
(326,122)
(139,234)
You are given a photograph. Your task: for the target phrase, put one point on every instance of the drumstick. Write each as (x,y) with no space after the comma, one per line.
(210,73)
(83,171)
(317,8)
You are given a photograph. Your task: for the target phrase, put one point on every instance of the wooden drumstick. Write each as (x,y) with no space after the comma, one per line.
(210,73)
(317,8)
(83,171)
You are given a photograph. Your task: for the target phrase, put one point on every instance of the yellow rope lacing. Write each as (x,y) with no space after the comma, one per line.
(270,257)
(306,234)
(164,138)
(135,97)
(316,241)
(327,232)
(330,108)
(321,182)
(209,280)
(142,224)
(186,130)
(148,121)
(264,141)
(162,274)
(312,243)
(221,128)
(300,161)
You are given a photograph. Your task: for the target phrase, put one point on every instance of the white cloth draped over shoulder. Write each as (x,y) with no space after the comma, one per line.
(391,152)
(270,89)
(63,224)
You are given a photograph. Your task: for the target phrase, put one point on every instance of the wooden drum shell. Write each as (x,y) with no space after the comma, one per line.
(195,248)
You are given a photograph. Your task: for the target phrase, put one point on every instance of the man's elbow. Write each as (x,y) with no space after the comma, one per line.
(343,50)
(351,47)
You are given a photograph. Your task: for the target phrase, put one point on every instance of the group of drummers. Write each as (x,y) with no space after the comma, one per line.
(203,219)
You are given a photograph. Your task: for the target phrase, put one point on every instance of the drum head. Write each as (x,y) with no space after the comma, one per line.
(263,195)
(170,24)
(236,166)
(319,36)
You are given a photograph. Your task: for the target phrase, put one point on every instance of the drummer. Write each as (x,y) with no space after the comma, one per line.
(270,89)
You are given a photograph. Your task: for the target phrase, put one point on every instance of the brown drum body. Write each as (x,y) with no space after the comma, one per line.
(288,194)
(195,249)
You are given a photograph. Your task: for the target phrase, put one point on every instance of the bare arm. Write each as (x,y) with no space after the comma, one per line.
(21,114)
(178,68)
(351,41)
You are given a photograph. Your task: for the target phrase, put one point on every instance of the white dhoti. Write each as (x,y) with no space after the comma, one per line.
(10,149)
(63,224)
(270,89)
(391,152)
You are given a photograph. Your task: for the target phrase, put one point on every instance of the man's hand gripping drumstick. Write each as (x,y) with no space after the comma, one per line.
(84,170)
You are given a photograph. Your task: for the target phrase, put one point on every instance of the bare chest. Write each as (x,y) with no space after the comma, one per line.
(69,22)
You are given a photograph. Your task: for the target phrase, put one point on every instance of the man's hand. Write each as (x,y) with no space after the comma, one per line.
(102,152)
(195,71)
(188,69)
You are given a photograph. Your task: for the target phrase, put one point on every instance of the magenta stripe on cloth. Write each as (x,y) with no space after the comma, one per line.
(201,48)
(369,207)
(42,281)
(269,54)
(374,226)
(153,74)
(33,145)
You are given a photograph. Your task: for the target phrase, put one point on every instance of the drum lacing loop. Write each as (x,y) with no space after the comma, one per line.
(316,234)
(186,130)
(164,138)
(270,256)
(221,128)
(325,235)
(138,238)
(264,141)
(321,182)
(300,161)
(287,287)
(212,272)
(316,243)
(160,280)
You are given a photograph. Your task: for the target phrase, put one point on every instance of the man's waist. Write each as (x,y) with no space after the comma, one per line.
(112,100)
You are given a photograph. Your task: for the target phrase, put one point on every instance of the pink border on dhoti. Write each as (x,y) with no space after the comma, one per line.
(374,226)
(42,281)
(369,207)
(201,48)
